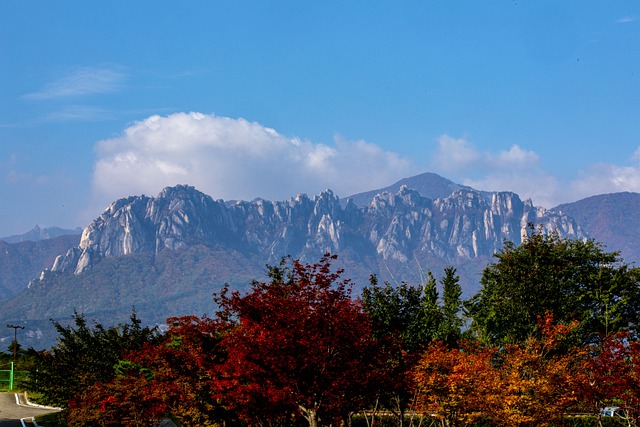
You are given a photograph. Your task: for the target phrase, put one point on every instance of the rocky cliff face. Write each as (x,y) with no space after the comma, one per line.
(167,255)
(395,228)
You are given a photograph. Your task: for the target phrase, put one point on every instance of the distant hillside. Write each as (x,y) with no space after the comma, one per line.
(166,255)
(22,262)
(429,185)
(38,233)
(611,219)
(170,283)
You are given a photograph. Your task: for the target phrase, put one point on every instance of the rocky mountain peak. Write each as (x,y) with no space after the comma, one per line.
(170,252)
(394,227)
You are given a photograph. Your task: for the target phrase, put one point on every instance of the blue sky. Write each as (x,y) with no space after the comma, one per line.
(247,99)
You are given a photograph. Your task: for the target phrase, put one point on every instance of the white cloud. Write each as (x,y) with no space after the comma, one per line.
(459,154)
(454,154)
(82,113)
(516,156)
(520,171)
(627,20)
(80,82)
(606,178)
(515,169)
(235,159)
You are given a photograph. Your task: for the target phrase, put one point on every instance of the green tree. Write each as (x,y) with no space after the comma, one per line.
(426,320)
(572,279)
(406,319)
(451,323)
(407,311)
(83,356)
(15,348)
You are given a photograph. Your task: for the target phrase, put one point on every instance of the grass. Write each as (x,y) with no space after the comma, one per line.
(54,419)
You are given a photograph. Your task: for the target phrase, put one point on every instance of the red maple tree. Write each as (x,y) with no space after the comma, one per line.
(175,376)
(297,345)
(611,377)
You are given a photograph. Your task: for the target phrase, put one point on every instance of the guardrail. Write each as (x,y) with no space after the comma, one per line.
(8,377)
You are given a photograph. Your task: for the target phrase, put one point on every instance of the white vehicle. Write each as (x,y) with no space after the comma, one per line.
(612,411)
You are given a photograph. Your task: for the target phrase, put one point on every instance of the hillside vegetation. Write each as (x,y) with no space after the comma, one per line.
(301,348)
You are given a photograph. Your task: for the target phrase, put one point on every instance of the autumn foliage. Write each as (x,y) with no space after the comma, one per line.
(527,384)
(452,385)
(173,376)
(298,345)
(301,349)
(610,376)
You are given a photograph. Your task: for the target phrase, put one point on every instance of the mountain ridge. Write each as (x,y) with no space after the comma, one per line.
(428,184)
(21,262)
(127,257)
(39,233)
(182,216)
(610,219)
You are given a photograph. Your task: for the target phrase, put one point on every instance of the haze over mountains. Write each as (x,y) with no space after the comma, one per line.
(166,255)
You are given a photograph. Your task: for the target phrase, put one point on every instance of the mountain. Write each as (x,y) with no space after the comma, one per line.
(611,219)
(167,255)
(428,184)
(394,227)
(23,261)
(37,233)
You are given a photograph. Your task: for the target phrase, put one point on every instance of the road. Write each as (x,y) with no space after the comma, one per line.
(11,413)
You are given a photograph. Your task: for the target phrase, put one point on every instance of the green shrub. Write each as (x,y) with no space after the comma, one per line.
(359,420)
(391,421)
(54,419)
(592,422)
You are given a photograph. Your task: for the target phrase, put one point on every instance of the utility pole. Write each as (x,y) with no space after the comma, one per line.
(15,340)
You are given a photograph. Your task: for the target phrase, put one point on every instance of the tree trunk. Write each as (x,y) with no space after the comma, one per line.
(311,416)
(400,412)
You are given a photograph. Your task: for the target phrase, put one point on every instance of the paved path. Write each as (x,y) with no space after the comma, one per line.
(11,413)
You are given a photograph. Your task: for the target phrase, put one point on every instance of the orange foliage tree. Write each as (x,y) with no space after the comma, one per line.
(537,378)
(452,385)
(527,384)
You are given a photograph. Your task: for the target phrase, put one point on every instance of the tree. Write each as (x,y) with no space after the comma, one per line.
(176,375)
(453,385)
(451,325)
(111,404)
(84,356)
(574,280)
(297,345)
(525,384)
(536,378)
(611,377)
(185,365)
(15,348)
(406,319)
(407,311)
(426,321)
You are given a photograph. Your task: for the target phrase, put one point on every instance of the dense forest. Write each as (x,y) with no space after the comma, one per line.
(552,334)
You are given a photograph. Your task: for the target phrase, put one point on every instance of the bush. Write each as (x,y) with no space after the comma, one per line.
(590,421)
(359,420)
(54,419)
